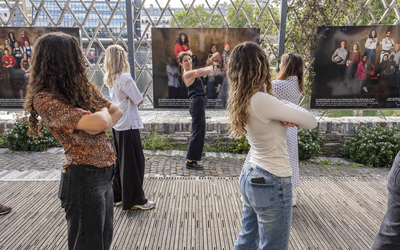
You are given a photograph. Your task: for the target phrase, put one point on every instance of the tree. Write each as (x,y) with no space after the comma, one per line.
(192,21)
(240,20)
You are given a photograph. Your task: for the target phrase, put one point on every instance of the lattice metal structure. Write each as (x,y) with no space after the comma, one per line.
(303,16)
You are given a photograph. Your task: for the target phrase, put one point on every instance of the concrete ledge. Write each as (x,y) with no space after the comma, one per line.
(334,130)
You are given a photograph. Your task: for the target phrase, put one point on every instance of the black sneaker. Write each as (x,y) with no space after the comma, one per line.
(193,165)
(4,209)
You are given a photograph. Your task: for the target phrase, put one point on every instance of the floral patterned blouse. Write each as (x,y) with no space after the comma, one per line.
(80,147)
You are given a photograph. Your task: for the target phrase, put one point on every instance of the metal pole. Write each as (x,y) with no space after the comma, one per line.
(131,41)
(282,30)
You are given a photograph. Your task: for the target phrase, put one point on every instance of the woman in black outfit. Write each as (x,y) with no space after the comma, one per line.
(198,103)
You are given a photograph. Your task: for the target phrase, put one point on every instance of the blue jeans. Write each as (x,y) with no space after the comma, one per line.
(388,236)
(87,197)
(371,53)
(267,210)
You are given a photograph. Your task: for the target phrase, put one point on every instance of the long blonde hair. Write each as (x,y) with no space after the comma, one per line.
(248,73)
(292,65)
(116,62)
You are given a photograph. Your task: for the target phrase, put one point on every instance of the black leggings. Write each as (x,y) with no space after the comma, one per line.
(198,113)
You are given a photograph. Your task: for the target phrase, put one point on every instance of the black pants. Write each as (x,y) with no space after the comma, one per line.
(129,168)
(198,113)
(86,195)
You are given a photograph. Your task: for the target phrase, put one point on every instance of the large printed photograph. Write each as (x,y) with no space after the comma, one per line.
(357,68)
(16,49)
(207,46)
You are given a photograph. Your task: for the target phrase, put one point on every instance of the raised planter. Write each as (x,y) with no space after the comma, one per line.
(334,130)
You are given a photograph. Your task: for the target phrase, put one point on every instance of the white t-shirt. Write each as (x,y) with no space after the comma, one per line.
(125,94)
(173,80)
(369,44)
(267,136)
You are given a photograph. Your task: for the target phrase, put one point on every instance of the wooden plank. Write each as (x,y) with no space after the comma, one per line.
(202,213)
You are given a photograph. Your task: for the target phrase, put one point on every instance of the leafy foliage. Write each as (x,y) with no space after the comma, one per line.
(16,139)
(309,142)
(192,20)
(156,141)
(240,146)
(376,146)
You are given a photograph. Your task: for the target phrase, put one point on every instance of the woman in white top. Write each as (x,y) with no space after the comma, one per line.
(265,183)
(289,85)
(370,46)
(130,163)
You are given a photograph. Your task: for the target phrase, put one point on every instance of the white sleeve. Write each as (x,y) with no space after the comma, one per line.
(267,107)
(334,54)
(128,86)
(368,42)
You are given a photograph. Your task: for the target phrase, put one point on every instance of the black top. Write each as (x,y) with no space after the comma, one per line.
(197,88)
(25,64)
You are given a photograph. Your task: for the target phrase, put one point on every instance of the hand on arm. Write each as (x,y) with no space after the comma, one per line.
(115,114)
(94,123)
(282,111)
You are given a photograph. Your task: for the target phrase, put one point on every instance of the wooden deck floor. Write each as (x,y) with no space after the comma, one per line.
(202,213)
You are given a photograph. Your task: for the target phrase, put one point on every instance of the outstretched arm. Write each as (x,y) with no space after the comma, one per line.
(189,76)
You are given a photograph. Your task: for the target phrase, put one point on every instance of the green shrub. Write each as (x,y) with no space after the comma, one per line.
(156,141)
(310,143)
(2,143)
(16,139)
(110,135)
(240,146)
(376,146)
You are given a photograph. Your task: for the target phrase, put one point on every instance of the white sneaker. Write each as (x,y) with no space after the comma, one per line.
(149,205)
(365,89)
(294,203)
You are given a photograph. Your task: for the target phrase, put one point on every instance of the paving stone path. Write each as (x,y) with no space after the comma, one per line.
(171,163)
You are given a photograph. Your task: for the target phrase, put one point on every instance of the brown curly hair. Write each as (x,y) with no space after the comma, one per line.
(58,67)
(248,73)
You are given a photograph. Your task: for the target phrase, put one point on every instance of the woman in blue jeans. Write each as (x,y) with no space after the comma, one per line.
(388,237)
(265,183)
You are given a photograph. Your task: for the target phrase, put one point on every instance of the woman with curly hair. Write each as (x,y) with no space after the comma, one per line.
(198,103)
(182,44)
(76,113)
(130,163)
(12,39)
(265,182)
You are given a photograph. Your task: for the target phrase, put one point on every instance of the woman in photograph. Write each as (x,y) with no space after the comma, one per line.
(173,80)
(352,62)
(28,49)
(12,39)
(7,44)
(364,71)
(222,97)
(198,102)
(370,46)
(18,54)
(130,164)
(385,72)
(182,44)
(26,67)
(265,182)
(76,113)
(215,60)
(8,60)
